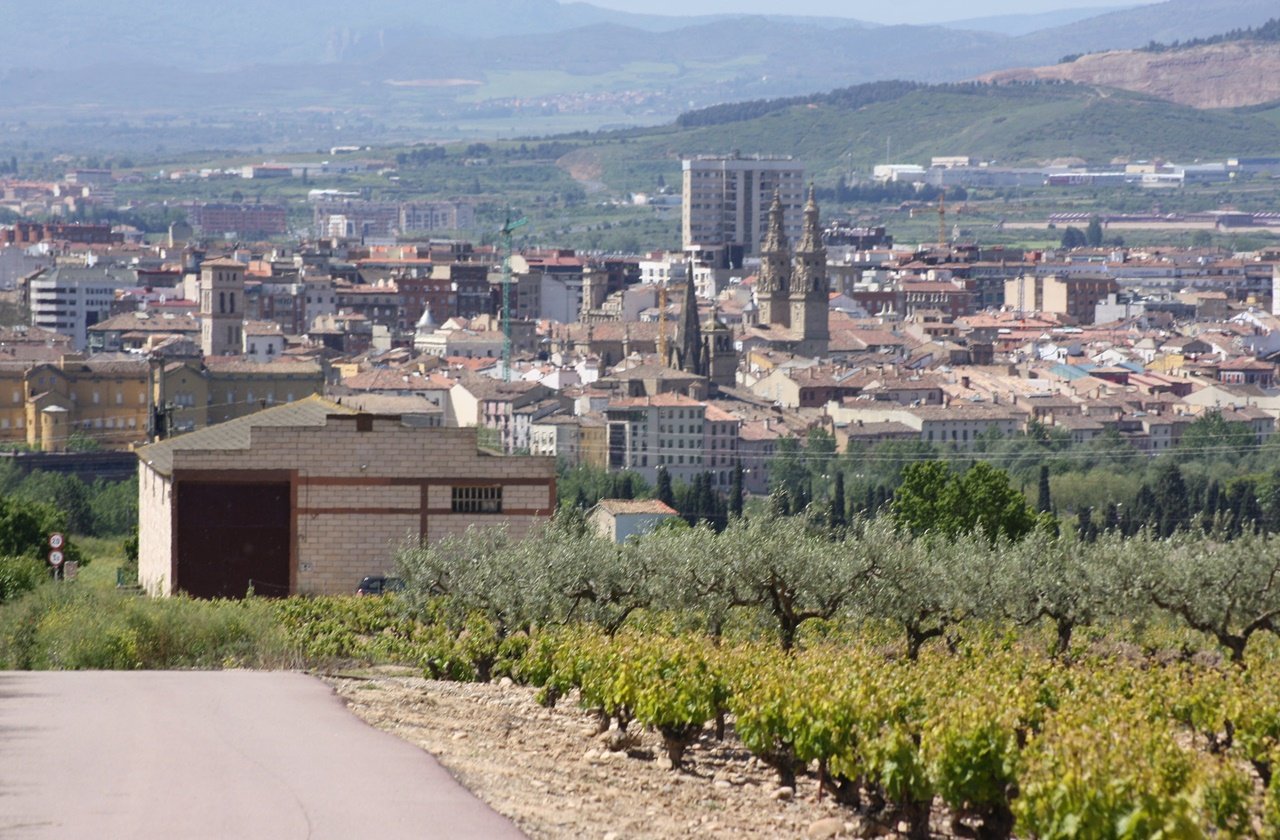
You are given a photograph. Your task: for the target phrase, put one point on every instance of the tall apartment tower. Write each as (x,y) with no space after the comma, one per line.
(221,307)
(726,200)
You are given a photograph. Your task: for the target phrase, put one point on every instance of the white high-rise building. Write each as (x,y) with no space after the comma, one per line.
(70,299)
(726,204)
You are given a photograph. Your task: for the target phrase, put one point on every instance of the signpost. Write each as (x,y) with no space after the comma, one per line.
(56,541)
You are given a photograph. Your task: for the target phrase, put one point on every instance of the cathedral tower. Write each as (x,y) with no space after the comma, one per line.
(809,288)
(774,280)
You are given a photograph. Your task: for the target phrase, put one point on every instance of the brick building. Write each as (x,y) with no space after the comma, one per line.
(309,497)
(243,219)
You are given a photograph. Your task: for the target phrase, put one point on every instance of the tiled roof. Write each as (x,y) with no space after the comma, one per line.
(145,322)
(660,400)
(390,404)
(623,506)
(235,434)
(239,364)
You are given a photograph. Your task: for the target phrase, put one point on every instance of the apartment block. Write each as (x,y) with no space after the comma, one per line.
(725,205)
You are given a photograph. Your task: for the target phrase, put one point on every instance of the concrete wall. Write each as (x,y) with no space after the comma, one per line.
(155,531)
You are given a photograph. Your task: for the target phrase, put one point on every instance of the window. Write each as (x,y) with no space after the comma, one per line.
(477,499)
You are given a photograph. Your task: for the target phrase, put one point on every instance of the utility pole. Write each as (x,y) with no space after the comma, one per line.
(507,228)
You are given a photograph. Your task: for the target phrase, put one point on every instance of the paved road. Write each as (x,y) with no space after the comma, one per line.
(224,754)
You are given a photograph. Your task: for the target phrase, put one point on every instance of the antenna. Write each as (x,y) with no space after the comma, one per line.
(507,228)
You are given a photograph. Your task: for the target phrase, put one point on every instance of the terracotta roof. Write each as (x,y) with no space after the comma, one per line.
(719,415)
(239,364)
(660,400)
(618,507)
(390,404)
(386,379)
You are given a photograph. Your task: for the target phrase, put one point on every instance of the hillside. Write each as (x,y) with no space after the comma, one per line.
(1232,71)
(1017,124)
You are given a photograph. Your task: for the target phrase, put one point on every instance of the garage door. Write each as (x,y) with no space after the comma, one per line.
(233,537)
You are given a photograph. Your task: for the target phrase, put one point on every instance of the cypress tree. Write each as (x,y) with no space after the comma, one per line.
(736,491)
(1045,501)
(1084,524)
(1111,518)
(837,502)
(780,501)
(665,493)
(1171,500)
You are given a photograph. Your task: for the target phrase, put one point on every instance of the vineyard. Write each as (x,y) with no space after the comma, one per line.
(1045,687)
(932,684)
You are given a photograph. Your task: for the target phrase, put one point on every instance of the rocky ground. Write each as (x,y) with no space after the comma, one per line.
(549,770)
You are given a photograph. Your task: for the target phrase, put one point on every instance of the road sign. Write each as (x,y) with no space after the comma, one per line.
(55,557)
(56,541)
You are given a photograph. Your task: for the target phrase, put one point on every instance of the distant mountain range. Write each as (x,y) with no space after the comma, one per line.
(402,62)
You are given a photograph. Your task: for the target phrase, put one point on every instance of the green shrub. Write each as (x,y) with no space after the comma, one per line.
(69,627)
(19,575)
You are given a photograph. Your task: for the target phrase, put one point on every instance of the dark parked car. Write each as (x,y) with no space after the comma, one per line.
(379,585)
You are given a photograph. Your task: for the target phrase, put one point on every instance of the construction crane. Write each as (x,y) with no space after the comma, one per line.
(508,227)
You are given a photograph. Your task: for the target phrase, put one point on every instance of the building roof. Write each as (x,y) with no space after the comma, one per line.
(617,507)
(146,322)
(232,435)
(280,367)
(390,404)
(667,400)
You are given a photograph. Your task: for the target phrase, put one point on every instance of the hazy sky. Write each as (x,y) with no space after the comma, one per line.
(899,11)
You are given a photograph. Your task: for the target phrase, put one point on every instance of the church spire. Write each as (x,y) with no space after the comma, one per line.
(690,331)
(774,279)
(810,235)
(775,236)
(809,286)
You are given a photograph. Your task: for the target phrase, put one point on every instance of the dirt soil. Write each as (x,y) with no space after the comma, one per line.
(550,772)
(1228,75)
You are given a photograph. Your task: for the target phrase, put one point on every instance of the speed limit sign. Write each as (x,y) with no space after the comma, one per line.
(56,541)
(55,558)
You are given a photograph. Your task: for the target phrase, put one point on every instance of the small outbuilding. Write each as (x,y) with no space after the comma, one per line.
(311,496)
(618,519)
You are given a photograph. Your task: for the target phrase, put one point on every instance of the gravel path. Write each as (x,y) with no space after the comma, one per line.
(550,772)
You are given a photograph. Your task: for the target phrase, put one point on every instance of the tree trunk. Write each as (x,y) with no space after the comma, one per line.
(782,758)
(676,739)
(1235,644)
(916,816)
(1065,628)
(916,639)
(997,823)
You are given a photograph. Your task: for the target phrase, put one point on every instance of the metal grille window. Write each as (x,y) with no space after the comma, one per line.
(477,499)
